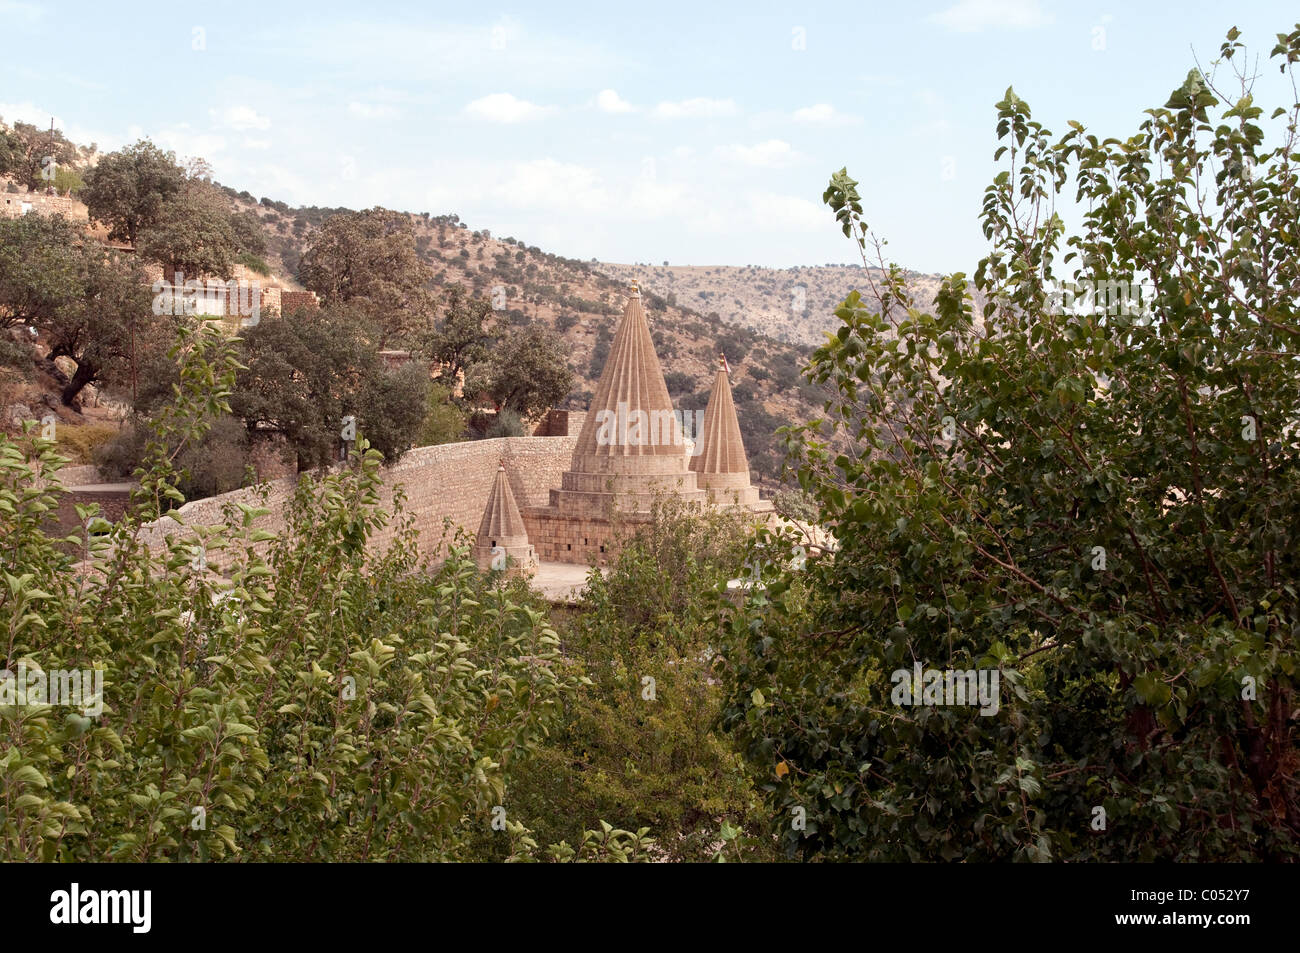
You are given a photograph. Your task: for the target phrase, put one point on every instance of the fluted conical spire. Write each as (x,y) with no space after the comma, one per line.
(502,533)
(719,460)
(631,445)
(501,517)
(631,414)
(721,449)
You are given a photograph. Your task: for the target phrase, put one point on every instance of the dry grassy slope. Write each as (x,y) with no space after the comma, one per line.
(789,304)
(556,291)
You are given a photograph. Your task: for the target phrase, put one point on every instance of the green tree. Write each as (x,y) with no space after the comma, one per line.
(128,189)
(250,239)
(306,371)
(1098,503)
(66,181)
(443,422)
(192,235)
(393,408)
(96,329)
(527,373)
(368,260)
(460,339)
(41,267)
(9,151)
(35,155)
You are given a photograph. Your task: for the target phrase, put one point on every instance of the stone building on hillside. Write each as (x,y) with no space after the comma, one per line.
(634,447)
(18,204)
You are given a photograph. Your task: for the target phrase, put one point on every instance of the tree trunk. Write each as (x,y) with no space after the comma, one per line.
(86,373)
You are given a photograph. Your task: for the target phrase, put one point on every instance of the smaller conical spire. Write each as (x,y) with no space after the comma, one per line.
(502,535)
(719,455)
(501,517)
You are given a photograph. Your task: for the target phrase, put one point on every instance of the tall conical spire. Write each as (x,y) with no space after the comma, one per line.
(631,385)
(501,532)
(631,445)
(719,462)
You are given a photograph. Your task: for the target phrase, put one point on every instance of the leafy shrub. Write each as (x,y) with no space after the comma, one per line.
(1099,507)
(680,383)
(656,762)
(444,422)
(253,263)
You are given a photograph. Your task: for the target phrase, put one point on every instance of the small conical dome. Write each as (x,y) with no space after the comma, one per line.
(719,458)
(502,532)
(501,517)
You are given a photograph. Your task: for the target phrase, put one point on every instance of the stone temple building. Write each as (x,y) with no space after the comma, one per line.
(632,447)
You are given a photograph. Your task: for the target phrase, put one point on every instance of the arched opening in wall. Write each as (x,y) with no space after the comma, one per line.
(494,542)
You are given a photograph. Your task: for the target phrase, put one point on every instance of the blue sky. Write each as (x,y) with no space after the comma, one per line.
(696,133)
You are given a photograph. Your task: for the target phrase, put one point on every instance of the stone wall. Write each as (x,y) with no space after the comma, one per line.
(291,301)
(113,499)
(452,480)
(17,204)
(585,541)
(560,423)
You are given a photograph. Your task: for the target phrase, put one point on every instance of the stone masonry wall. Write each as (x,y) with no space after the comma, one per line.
(452,480)
(17,204)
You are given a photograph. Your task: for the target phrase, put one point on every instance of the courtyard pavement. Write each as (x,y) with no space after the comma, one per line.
(560,582)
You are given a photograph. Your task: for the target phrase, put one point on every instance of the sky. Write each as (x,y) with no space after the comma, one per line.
(694,133)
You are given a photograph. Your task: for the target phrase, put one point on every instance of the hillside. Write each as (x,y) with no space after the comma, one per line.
(793,305)
(695,313)
(582,304)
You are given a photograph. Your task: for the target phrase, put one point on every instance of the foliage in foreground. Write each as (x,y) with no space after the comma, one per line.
(1100,504)
(639,740)
(281,696)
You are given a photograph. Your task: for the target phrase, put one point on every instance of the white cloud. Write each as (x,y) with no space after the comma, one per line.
(683,152)
(772,154)
(971,16)
(10,9)
(823,114)
(28,112)
(503,107)
(241,118)
(607,100)
(550,183)
(696,108)
(373,110)
(256,143)
(774,212)
(188,144)
(419,51)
